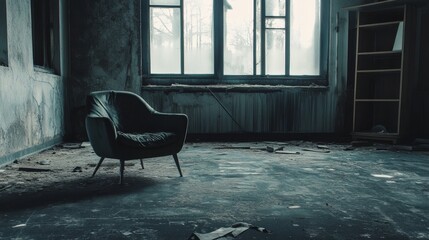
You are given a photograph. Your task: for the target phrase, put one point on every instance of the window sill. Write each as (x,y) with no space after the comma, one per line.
(41,69)
(247,88)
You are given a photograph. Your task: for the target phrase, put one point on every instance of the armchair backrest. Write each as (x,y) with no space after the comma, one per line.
(126,110)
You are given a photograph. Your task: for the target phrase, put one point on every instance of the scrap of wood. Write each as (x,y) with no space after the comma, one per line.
(286,152)
(5,187)
(72,145)
(233,147)
(322,147)
(33,169)
(316,150)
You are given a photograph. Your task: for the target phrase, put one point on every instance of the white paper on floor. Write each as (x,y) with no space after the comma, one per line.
(235,230)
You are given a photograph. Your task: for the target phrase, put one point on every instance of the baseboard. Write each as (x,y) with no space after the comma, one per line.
(29,151)
(254,137)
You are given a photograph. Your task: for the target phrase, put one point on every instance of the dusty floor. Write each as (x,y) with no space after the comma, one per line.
(308,191)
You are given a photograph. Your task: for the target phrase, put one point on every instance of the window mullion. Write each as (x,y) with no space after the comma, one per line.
(182,40)
(287,38)
(218,9)
(145,34)
(254,36)
(262,37)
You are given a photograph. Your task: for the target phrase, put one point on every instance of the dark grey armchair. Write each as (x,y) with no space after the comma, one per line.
(121,125)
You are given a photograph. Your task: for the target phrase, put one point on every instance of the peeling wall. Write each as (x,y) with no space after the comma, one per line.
(31,102)
(105,52)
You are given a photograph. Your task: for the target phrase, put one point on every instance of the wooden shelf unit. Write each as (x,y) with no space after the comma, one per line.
(380,71)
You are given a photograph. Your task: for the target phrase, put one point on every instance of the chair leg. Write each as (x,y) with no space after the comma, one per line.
(121,172)
(98,166)
(141,162)
(176,160)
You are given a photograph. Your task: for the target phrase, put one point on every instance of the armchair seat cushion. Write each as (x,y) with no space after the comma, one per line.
(146,140)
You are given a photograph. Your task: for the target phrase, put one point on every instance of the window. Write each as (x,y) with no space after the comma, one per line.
(224,41)
(196,54)
(45,23)
(3,34)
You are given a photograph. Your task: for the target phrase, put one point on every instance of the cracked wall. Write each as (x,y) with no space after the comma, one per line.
(31,101)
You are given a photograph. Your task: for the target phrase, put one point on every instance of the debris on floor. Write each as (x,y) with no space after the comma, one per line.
(77,169)
(322,147)
(86,144)
(33,169)
(72,145)
(287,152)
(235,230)
(5,187)
(20,225)
(44,162)
(316,150)
(349,148)
(233,147)
(270,149)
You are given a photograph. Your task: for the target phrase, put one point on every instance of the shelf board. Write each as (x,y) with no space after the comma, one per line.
(377,100)
(383,24)
(379,53)
(379,70)
(384,4)
(376,136)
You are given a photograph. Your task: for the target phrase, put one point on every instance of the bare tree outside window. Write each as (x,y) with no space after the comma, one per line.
(198,36)
(165,40)
(238,38)
(305,37)
(260,37)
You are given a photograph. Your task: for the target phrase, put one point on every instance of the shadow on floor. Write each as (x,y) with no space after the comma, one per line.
(73,191)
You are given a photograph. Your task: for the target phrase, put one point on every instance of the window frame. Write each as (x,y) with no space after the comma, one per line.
(46,35)
(3,34)
(218,77)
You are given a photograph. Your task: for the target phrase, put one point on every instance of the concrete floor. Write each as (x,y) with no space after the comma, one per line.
(360,194)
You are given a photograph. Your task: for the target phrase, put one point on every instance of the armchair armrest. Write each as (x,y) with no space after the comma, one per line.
(102,134)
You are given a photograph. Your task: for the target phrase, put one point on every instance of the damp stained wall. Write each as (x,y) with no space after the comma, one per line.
(31,101)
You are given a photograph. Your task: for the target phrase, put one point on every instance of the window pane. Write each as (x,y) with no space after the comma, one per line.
(165,2)
(275,7)
(275,23)
(305,37)
(165,40)
(275,52)
(238,37)
(199,56)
